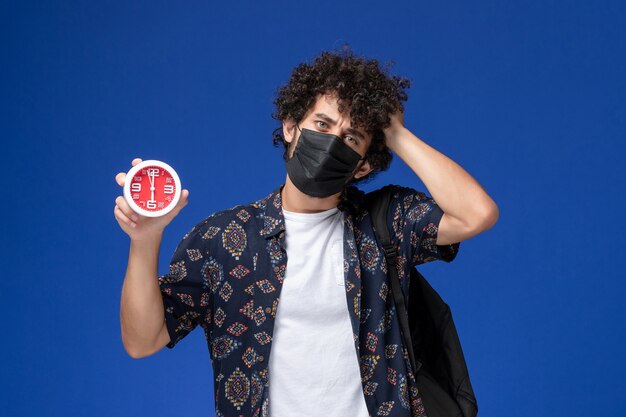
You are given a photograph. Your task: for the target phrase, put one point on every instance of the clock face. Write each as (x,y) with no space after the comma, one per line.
(152,188)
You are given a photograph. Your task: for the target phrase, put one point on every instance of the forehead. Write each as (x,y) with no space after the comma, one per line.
(329,104)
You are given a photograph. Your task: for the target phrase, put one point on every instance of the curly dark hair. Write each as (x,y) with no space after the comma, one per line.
(363,88)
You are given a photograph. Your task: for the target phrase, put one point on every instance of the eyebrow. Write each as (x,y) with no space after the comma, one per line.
(350,129)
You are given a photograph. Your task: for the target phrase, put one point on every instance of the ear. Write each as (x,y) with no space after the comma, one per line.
(363,170)
(289,128)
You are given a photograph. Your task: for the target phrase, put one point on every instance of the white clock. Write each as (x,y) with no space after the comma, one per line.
(152,188)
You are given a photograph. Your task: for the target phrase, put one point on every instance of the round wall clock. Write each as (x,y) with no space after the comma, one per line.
(152,188)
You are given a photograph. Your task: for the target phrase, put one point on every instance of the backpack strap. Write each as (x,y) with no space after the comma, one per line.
(377,203)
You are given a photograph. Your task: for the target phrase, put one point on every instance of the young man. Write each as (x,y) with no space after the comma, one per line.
(299,273)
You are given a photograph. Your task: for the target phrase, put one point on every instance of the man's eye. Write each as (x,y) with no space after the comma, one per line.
(351,139)
(322,125)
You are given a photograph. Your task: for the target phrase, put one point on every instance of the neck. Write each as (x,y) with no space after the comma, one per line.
(296,201)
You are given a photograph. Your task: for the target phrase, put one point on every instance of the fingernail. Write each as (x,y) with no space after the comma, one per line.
(133,225)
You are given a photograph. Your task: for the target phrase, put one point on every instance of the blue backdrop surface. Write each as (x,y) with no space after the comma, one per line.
(527,96)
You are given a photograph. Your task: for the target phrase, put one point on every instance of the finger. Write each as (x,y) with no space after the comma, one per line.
(122,218)
(182,202)
(125,208)
(184,198)
(122,175)
(120,178)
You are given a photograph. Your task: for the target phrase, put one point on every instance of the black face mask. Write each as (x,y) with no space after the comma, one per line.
(321,164)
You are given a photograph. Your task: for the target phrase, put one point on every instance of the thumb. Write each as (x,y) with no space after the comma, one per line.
(184,197)
(184,200)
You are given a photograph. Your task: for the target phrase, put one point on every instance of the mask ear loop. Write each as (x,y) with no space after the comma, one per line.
(289,144)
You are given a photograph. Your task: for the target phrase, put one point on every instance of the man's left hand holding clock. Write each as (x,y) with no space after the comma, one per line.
(141,305)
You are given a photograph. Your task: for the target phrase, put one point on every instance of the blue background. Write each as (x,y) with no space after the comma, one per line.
(527,96)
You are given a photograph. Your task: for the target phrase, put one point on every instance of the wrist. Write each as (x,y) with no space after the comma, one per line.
(147,239)
(393,136)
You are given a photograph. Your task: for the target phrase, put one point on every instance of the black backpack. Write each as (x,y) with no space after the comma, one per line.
(428,330)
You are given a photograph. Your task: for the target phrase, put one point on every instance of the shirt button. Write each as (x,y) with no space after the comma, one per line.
(261,358)
(268,309)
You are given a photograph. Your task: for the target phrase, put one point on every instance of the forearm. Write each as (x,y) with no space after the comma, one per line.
(455,191)
(141,307)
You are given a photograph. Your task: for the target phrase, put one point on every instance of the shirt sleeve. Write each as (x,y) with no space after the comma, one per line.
(185,291)
(415,221)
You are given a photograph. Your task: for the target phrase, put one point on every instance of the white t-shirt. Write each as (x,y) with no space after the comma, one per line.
(313,365)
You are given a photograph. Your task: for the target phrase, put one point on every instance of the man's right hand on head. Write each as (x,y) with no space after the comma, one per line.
(139,227)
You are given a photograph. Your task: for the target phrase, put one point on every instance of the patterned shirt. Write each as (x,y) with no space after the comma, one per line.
(227,272)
